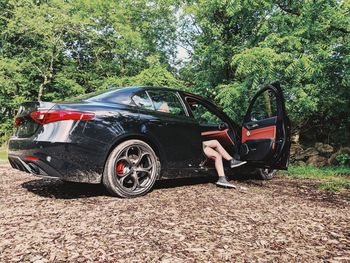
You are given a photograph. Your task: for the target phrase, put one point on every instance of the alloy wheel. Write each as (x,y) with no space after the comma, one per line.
(134,168)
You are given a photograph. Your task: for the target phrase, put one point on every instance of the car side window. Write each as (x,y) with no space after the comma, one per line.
(265,106)
(202,114)
(115,96)
(167,101)
(142,100)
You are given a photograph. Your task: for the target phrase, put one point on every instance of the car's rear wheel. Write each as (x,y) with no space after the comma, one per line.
(266,174)
(131,169)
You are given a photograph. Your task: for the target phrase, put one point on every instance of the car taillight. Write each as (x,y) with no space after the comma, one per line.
(18,121)
(44,117)
(31,158)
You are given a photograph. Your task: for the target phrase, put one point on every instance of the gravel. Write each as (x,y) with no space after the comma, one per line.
(184,220)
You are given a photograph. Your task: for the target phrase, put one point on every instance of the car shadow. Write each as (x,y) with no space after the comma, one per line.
(204,179)
(64,190)
(179,182)
(58,189)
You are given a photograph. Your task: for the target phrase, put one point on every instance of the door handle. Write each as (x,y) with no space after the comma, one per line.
(254,125)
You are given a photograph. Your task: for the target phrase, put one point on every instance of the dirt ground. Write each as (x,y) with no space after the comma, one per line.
(283,220)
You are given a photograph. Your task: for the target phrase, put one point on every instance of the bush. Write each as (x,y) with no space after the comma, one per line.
(343,159)
(6,130)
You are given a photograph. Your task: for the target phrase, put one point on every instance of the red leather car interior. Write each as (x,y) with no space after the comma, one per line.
(260,133)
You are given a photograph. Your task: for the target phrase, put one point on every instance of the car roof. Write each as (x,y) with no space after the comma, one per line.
(136,88)
(102,95)
(186,93)
(133,89)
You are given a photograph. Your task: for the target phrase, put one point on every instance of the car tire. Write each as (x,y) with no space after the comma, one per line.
(131,169)
(266,174)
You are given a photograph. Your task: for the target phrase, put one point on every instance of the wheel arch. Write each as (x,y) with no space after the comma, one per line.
(151,142)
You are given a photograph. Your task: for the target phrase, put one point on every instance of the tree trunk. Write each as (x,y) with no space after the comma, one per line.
(42,87)
(267,101)
(47,79)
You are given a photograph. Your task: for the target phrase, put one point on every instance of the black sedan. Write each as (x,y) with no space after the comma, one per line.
(127,138)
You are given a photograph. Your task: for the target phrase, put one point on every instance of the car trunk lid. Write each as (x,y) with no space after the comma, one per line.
(25,123)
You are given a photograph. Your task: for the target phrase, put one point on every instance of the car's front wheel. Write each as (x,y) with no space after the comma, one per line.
(131,169)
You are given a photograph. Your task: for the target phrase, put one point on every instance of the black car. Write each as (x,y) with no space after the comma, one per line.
(127,138)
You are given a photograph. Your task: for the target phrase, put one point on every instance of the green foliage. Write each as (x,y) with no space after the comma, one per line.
(230,96)
(3,155)
(51,50)
(343,158)
(334,179)
(312,172)
(156,75)
(239,45)
(335,185)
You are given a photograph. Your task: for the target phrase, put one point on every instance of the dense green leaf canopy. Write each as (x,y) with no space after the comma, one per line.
(51,50)
(236,46)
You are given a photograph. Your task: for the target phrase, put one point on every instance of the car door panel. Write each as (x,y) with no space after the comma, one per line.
(260,133)
(266,139)
(260,149)
(166,119)
(179,138)
(261,123)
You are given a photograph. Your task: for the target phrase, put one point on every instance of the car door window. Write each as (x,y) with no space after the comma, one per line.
(167,102)
(142,100)
(119,96)
(203,115)
(265,106)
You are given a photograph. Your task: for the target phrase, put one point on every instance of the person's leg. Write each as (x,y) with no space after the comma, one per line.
(211,153)
(218,147)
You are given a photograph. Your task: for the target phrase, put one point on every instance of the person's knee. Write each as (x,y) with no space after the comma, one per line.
(214,143)
(218,157)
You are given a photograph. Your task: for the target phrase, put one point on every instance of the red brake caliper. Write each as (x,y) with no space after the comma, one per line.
(120,169)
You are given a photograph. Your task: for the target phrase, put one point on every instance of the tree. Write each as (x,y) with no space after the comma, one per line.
(51,50)
(239,45)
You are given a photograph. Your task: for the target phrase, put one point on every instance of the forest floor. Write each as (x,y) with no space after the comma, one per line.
(184,220)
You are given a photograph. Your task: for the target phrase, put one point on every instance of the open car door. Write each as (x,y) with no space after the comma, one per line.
(266,130)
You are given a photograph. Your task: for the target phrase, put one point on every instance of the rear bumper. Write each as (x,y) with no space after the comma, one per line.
(66,161)
(42,169)
(37,167)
